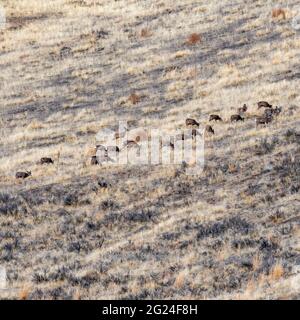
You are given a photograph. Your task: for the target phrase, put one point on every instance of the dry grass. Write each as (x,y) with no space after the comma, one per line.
(76,231)
(279,13)
(277,272)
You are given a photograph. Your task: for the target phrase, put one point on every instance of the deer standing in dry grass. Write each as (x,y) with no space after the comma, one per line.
(46,160)
(263,120)
(236,118)
(209,129)
(94,161)
(264,104)
(23,175)
(243,109)
(215,117)
(191,123)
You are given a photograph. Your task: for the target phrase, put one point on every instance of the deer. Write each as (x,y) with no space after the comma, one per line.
(46,160)
(273,111)
(209,129)
(277,110)
(191,123)
(263,120)
(23,175)
(94,161)
(243,109)
(236,118)
(263,104)
(215,117)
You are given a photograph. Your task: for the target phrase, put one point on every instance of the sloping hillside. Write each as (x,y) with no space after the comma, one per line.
(73,230)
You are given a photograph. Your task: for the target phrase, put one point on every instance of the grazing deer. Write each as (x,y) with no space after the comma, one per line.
(243,109)
(94,161)
(272,112)
(46,160)
(263,120)
(263,104)
(191,123)
(276,111)
(236,118)
(209,129)
(23,175)
(215,117)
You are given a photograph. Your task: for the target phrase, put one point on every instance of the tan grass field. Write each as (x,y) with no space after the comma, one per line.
(72,68)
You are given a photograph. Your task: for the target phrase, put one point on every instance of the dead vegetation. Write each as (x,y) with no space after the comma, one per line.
(193,39)
(75,229)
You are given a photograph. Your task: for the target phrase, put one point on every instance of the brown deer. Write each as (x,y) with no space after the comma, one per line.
(23,175)
(94,161)
(276,111)
(209,129)
(263,104)
(191,123)
(215,117)
(263,120)
(46,160)
(273,111)
(243,109)
(236,118)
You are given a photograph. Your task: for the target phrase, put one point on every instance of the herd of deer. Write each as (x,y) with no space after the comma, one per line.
(103,151)
(267,117)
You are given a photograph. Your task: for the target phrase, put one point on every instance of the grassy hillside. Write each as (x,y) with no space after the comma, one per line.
(77,231)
